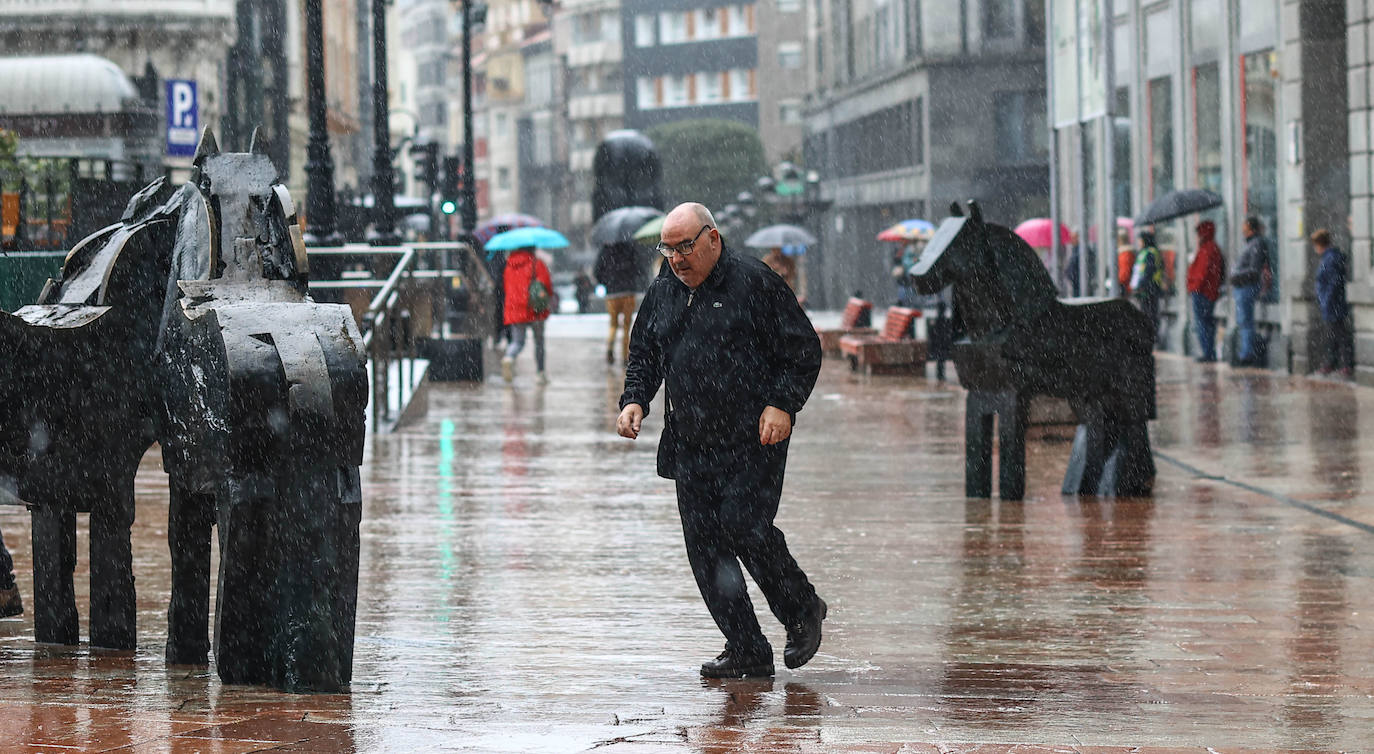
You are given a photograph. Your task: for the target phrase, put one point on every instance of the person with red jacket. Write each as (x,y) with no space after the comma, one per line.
(529,297)
(1205,274)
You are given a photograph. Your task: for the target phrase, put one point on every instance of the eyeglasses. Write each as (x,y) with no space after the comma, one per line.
(683,248)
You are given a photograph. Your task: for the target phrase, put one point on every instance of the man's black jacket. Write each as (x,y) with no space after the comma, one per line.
(738,343)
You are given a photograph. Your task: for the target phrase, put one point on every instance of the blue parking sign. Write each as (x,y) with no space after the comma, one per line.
(183,118)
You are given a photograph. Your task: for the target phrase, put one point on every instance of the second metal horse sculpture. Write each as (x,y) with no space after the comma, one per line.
(1022,340)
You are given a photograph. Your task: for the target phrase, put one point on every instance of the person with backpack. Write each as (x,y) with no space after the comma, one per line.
(529,299)
(1205,274)
(1250,281)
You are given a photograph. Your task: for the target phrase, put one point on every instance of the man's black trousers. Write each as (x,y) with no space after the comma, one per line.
(727,498)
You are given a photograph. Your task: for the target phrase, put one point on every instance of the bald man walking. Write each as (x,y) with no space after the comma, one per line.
(737,358)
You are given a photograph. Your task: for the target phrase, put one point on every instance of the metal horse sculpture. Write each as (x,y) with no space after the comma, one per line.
(1021,341)
(188,324)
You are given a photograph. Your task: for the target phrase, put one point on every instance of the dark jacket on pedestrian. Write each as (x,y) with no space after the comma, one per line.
(619,269)
(735,345)
(1331,278)
(1208,269)
(1253,261)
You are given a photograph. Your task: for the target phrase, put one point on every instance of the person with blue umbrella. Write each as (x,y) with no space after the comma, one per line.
(528,293)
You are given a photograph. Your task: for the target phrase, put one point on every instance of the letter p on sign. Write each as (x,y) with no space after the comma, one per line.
(182,118)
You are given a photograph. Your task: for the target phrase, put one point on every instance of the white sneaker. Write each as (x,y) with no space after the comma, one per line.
(507,368)
(542,378)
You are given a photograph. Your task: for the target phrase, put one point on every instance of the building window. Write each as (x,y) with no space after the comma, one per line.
(646,94)
(708,24)
(741,85)
(1161,128)
(918,131)
(741,21)
(646,30)
(503,178)
(790,55)
(790,112)
(789,6)
(1259,74)
(710,88)
(913,29)
(674,91)
(1207,125)
(1020,127)
(999,19)
(672,27)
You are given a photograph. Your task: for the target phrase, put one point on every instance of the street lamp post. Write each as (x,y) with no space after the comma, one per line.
(470,9)
(383,175)
(320,210)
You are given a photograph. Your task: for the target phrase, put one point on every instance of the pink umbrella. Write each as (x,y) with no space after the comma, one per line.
(1037,232)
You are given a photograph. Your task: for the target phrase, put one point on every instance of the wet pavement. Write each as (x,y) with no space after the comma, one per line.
(524,589)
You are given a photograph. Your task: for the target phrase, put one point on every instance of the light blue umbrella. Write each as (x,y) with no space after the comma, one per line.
(523,238)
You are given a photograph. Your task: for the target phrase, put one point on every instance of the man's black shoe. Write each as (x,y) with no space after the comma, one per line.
(803,639)
(728,664)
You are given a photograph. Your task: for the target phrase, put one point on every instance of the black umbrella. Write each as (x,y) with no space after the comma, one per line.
(619,225)
(1177,204)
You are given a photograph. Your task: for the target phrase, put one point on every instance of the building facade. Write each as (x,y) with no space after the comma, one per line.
(914,105)
(688,60)
(182,39)
(587,45)
(1265,102)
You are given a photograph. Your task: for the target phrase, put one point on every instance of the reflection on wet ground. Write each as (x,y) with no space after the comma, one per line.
(524,589)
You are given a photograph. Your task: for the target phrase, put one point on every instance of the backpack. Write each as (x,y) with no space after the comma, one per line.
(539,296)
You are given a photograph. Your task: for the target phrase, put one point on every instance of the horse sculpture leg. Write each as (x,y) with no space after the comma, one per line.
(1011,410)
(977,446)
(190,519)
(1109,458)
(113,601)
(55,620)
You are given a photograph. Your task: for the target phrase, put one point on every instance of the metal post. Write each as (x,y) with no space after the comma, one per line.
(1054,142)
(320,211)
(469,173)
(383,176)
(1107,249)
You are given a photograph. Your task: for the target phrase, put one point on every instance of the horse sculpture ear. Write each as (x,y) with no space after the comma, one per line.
(955,210)
(258,144)
(974,212)
(207,146)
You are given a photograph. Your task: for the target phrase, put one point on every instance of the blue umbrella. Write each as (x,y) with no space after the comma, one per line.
(523,238)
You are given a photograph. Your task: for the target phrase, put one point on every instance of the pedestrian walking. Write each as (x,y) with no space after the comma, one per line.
(1071,276)
(496,267)
(1205,274)
(618,269)
(1147,279)
(10,604)
(1250,281)
(737,358)
(582,291)
(529,298)
(1331,279)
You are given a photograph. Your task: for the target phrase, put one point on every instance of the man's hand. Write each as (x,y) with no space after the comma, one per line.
(630,419)
(775,425)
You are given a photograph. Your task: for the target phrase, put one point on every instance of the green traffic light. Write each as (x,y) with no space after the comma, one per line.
(449,207)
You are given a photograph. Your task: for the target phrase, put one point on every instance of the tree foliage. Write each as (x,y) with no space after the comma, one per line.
(708,160)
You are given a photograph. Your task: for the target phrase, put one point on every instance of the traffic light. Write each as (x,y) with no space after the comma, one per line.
(426,163)
(448,185)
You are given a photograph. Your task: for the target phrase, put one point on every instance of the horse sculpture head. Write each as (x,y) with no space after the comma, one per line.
(996,276)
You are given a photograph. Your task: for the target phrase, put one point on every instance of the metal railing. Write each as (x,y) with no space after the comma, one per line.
(415,300)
